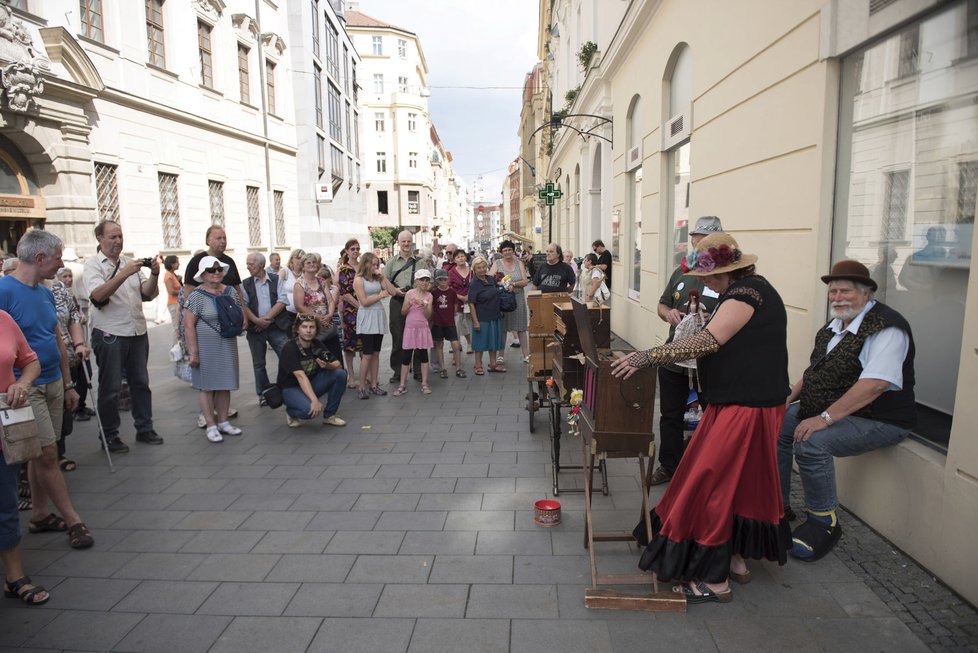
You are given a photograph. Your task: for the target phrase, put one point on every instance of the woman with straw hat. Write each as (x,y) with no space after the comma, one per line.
(724,504)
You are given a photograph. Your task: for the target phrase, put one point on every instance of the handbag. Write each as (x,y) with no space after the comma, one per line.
(18,431)
(273,396)
(507,300)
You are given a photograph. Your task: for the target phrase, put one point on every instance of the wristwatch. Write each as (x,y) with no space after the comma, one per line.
(828,418)
(70,386)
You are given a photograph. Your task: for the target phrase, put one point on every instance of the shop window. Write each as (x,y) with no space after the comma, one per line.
(906,181)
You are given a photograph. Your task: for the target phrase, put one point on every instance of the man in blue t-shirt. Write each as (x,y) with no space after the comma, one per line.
(32,307)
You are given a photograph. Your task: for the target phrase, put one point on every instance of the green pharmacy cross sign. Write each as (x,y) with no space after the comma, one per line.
(550,194)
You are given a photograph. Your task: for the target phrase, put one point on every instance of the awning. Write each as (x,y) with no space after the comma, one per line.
(510,235)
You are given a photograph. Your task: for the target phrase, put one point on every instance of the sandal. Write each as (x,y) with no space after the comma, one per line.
(400,391)
(500,360)
(67,465)
(24,504)
(51,523)
(497,368)
(479,371)
(706,595)
(443,374)
(461,374)
(24,590)
(425,389)
(24,489)
(351,386)
(79,537)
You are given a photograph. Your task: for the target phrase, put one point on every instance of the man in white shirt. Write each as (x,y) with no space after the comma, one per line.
(117,289)
(856,396)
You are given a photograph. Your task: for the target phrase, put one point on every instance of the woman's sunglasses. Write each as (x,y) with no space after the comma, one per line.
(214,270)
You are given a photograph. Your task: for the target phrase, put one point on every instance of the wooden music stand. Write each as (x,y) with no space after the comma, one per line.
(615,423)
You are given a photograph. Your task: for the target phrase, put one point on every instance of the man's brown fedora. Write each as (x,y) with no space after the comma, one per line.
(849,270)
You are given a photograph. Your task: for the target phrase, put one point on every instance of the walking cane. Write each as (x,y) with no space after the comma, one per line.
(86,366)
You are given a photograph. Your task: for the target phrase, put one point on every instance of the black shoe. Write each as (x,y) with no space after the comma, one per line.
(660,475)
(88,411)
(149,437)
(789,514)
(395,379)
(262,402)
(81,416)
(118,446)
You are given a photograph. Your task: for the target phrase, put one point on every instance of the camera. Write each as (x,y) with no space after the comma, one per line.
(147,262)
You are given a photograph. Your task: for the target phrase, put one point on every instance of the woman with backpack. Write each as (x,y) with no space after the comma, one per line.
(212,313)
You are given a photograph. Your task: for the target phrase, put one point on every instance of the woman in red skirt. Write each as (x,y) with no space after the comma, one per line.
(723,505)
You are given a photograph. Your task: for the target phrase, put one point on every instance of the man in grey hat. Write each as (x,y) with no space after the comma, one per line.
(675,382)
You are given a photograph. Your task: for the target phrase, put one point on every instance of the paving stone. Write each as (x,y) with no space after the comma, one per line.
(499,520)
(263,502)
(223,541)
(270,520)
(461,636)
(422,601)
(426,485)
(503,457)
(515,501)
(472,569)
(99,631)
(450,502)
(142,501)
(437,543)
(439,458)
(367,486)
(324,502)
(387,502)
(312,568)
(363,520)
(293,542)
(160,566)
(414,521)
(335,600)
(166,633)
(352,636)
(242,567)
(750,635)
(309,485)
(386,458)
(545,569)
(296,472)
(561,635)
(477,470)
(212,520)
(249,599)
(513,543)
(452,447)
(98,594)
(84,564)
(152,541)
(391,569)
(862,634)
(204,501)
(351,471)
(18,625)
(366,542)
(264,634)
(513,602)
(166,596)
(239,473)
(486,485)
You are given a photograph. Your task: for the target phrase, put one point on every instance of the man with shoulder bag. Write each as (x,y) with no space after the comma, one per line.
(400,272)
(268,321)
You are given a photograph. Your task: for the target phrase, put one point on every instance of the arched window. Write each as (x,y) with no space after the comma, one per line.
(21,204)
(677,92)
(634,131)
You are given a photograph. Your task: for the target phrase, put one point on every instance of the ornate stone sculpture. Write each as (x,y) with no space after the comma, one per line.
(22,84)
(22,62)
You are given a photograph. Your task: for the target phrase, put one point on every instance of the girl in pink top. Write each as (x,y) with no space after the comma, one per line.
(417,333)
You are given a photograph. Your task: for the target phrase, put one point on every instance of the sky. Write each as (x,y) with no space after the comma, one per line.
(472,43)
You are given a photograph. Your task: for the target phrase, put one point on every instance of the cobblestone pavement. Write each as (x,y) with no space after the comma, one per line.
(411,529)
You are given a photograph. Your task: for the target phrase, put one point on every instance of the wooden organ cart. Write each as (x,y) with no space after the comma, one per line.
(541,333)
(616,422)
(568,374)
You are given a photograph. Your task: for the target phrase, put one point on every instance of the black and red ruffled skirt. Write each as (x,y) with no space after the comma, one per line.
(724,499)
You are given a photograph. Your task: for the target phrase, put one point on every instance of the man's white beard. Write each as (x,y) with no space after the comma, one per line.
(844,312)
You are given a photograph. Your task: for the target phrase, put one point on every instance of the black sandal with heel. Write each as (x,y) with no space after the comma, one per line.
(25,591)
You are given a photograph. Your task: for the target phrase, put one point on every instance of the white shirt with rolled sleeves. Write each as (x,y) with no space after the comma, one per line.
(123,315)
(883,353)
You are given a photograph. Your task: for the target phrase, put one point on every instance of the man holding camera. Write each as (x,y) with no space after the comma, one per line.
(117,289)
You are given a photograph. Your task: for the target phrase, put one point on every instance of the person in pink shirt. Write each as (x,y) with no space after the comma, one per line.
(417,334)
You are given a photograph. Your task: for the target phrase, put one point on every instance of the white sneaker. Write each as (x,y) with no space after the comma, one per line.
(293,422)
(201,422)
(333,420)
(228,429)
(214,435)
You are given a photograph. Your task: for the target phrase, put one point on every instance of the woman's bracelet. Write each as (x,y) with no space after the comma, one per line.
(76,345)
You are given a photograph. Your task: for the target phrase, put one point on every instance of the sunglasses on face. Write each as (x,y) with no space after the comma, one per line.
(214,270)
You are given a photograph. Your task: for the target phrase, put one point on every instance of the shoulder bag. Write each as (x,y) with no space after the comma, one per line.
(18,431)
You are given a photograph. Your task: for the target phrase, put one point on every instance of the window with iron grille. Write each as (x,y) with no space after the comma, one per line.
(402,48)
(381,161)
(315,27)
(379,83)
(412,159)
(967,191)
(279,198)
(402,84)
(206,56)
(244,86)
(321,153)
(170,211)
(154,32)
(894,224)
(91,19)
(215,194)
(254,216)
(335,124)
(332,51)
(379,122)
(378,45)
(317,84)
(346,69)
(336,162)
(270,85)
(412,122)
(107,191)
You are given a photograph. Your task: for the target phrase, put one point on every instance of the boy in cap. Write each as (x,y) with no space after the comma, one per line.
(443,324)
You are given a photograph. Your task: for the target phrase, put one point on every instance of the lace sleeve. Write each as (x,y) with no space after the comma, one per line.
(696,346)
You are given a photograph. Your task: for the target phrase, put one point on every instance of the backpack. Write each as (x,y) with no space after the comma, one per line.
(507,300)
(230,316)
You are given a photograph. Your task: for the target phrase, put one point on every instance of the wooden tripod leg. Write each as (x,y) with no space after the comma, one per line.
(588,521)
(645,475)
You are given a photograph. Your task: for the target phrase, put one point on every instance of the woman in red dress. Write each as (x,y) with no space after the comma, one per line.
(723,505)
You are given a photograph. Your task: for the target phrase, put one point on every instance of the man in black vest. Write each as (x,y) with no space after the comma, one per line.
(856,396)
(268,321)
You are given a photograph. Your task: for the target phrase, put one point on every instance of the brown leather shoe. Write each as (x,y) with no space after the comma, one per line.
(660,475)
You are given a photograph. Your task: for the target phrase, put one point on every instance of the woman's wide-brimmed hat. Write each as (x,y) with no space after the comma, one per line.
(716,254)
(849,270)
(208,263)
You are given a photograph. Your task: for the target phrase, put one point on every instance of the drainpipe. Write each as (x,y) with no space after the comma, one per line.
(264,125)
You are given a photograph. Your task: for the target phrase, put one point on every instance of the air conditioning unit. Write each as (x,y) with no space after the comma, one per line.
(677,129)
(324,192)
(633,158)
